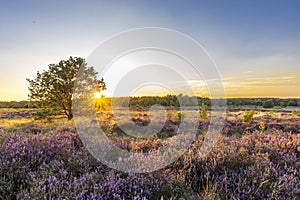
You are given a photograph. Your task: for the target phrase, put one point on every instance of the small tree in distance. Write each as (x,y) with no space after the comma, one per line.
(52,90)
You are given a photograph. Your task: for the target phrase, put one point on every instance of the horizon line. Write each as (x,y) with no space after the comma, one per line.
(204,97)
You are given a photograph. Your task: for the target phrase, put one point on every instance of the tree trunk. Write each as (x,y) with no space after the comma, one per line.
(70,113)
(70,116)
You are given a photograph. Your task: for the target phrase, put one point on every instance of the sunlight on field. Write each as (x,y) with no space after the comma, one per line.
(55,124)
(20,119)
(14,123)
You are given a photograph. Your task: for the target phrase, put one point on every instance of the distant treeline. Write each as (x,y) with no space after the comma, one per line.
(264,102)
(172,101)
(168,100)
(16,104)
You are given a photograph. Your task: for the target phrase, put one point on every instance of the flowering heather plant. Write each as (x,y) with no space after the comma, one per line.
(56,166)
(10,114)
(255,165)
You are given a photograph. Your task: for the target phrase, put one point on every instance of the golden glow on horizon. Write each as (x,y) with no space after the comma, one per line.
(282,87)
(247,87)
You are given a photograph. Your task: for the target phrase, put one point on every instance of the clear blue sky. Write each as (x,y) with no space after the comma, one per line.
(256,44)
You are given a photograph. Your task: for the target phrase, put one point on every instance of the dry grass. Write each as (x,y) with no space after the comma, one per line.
(14,123)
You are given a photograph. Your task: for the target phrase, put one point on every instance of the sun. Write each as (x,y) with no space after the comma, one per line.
(97,95)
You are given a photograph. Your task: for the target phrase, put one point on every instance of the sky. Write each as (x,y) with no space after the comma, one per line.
(255,44)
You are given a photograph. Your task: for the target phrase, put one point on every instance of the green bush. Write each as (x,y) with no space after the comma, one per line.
(179,116)
(248,116)
(287,128)
(203,111)
(262,126)
(296,112)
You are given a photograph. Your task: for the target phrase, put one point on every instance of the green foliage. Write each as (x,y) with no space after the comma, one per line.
(52,90)
(203,111)
(16,104)
(296,112)
(172,101)
(45,113)
(268,104)
(283,104)
(248,116)
(260,101)
(292,102)
(262,126)
(179,116)
(287,128)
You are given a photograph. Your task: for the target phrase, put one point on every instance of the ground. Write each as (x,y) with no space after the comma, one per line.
(257,159)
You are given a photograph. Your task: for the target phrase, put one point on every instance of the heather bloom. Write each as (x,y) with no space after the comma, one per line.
(255,164)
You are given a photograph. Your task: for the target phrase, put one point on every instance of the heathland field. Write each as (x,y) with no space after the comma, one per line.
(257,156)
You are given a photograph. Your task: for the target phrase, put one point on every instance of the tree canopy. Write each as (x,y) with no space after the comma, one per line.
(52,90)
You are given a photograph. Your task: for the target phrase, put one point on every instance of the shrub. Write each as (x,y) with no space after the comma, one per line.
(262,126)
(203,111)
(287,128)
(248,116)
(296,112)
(179,116)
(54,166)
(256,166)
(57,166)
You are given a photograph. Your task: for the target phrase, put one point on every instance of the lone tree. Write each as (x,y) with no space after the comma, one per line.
(52,90)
